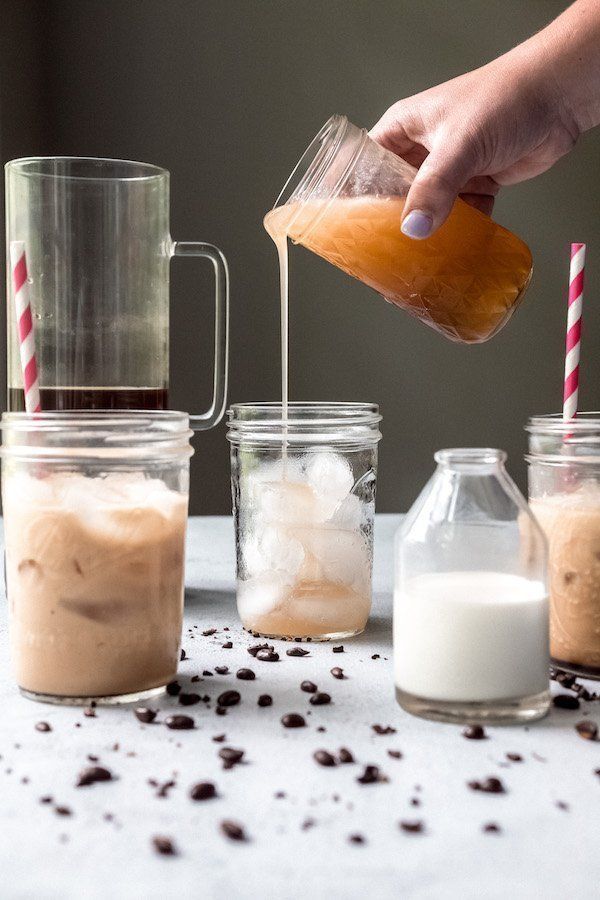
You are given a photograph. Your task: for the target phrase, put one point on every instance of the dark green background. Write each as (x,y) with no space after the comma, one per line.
(226,95)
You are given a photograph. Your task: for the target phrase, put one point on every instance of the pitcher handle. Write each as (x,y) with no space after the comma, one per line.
(214,413)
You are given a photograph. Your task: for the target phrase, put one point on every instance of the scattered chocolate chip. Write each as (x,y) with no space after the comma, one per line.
(265,700)
(587,730)
(90,712)
(189,699)
(414,801)
(395,754)
(345,756)
(195,678)
(245,675)
(297,651)
(356,839)
(324,758)
(229,698)
(43,726)
(339,649)
(46,799)
(309,687)
(164,846)
(279,795)
(560,804)
(321,729)
(221,711)
(207,673)
(474,733)
(514,757)
(173,688)
(308,823)
(233,830)
(209,632)
(413,826)
(488,786)
(267,656)
(92,758)
(182,655)
(227,645)
(219,738)
(93,774)
(63,811)
(179,722)
(230,756)
(371,775)
(321,698)
(337,672)
(145,715)
(164,788)
(254,650)
(491,828)
(565,701)
(383,729)
(293,720)
(203,790)
(222,670)
(376,656)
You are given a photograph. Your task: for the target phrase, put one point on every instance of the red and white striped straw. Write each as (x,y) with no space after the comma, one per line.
(576,273)
(31,387)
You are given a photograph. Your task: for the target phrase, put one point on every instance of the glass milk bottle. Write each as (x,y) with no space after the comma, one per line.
(470,600)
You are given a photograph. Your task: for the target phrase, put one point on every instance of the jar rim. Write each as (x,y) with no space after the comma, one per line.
(555,423)
(100,168)
(307,422)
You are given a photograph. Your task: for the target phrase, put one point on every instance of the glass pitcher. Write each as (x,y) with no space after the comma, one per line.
(97,249)
(344,201)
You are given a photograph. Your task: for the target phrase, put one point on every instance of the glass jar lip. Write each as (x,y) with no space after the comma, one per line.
(123,169)
(470,456)
(556,424)
(140,420)
(307,422)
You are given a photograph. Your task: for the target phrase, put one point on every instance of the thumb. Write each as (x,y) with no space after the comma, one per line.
(437,184)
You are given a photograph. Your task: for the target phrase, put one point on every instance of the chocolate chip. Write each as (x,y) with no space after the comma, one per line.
(219,738)
(179,723)
(371,775)
(233,830)
(587,730)
(230,756)
(195,678)
(560,804)
(383,729)
(309,687)
(90,712)
(414,801)
(189,699)
(474,733)
(143,714)
(413,826)
(339,649)
(227,645)
(221,711)
(173,688)
(320,699)
(164,788)
(491,828)
(43,726)
(207,673)
(297,651)
(93,774)
(279,795)
(395,754)
(228,698)
(565,701)
(222,670)
(514,757)
(308,823)
(245,675)
(488,786)
(267,655)
(182,655)
(164,845)
(209,632)
(265,700)
(63,811)
(324,758)
(92,757)
(356,839)
(337,672)
(376,656)
(254,650)
(345,756)
(203,790)
(293,720)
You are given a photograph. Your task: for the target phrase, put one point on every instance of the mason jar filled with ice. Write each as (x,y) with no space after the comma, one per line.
(303,489)
(470,598)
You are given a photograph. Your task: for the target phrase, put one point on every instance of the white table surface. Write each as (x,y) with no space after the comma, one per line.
(543,850)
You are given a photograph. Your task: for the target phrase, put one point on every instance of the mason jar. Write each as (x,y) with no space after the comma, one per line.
(564,494)
(303,492)
(95,514)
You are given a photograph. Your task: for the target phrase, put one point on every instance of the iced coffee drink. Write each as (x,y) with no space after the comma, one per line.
(571,521)
(94,570)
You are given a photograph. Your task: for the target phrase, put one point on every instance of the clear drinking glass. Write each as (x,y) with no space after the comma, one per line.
(303,503)
(98,250)
(564,494)
(470,601)
(344,201)
(95,515)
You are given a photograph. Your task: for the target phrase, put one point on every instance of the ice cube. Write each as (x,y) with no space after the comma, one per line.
(342,556)
(348,514)
(273,549)
(330,477)
(287,502)
(261,594)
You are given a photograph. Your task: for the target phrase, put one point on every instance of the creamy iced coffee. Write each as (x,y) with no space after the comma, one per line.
(95,570)
(571,522)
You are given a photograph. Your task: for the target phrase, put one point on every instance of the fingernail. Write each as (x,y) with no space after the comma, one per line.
(417,224)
